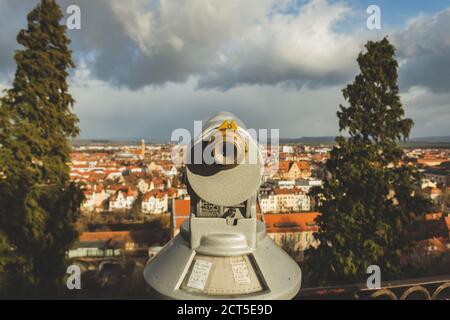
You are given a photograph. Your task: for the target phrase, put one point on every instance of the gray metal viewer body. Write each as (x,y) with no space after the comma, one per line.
(223,251)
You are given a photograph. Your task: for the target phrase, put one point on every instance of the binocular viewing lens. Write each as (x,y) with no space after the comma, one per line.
(226,153)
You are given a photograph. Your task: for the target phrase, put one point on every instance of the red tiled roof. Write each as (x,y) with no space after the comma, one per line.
(447,222)
(154,193)
(138,236)
(182,211)
(131,192)
(433,216)
(303,165)
(171,192)
(182,208)
(158,181)
(283,166)
(179,221)
(104,235)
(437,244)
(80,166)
(278,191)
(285,222)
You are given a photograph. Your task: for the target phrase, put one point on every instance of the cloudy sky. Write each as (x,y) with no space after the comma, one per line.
(147,67)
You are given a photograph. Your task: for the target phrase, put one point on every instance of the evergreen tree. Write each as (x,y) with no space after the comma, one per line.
(368,203)
(38,204)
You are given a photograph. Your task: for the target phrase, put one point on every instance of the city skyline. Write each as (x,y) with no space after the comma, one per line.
(261,150)
(139,74)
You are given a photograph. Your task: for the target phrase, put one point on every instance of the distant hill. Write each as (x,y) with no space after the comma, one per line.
(424,142)
(419,142)
(309,140)
(439,139)
(114,141)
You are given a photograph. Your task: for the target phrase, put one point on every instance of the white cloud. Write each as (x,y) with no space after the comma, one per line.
(144,66)
(222,43)
(424,49)
(300,48)
(429,110)
(106,111)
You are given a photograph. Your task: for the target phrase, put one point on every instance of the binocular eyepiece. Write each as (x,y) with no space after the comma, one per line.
(224,163)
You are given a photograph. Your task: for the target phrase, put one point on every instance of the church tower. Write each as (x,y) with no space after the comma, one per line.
(143,149)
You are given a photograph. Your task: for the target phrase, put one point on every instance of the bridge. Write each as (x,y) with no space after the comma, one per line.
(429,288)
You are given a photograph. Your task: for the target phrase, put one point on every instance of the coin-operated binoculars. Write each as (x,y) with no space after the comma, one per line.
(223,251)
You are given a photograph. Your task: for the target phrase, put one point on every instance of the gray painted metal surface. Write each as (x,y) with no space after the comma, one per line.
(223,251)
(279,274)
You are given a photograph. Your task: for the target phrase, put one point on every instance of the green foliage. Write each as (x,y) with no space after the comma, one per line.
(367,202)
(38,204)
